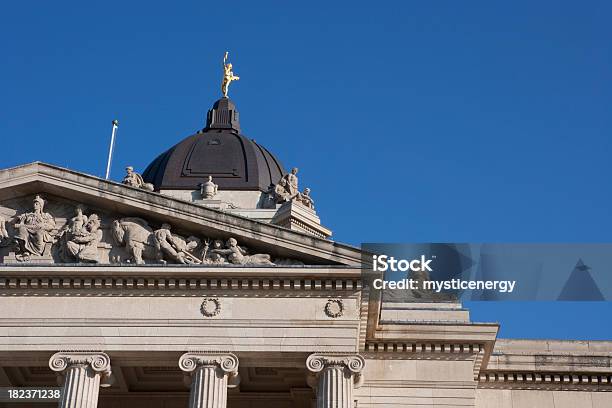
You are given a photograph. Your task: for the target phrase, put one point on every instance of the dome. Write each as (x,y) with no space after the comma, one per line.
(221,151)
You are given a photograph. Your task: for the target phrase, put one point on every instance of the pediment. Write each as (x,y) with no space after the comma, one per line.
(132,225)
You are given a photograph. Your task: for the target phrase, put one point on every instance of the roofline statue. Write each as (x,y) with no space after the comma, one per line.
(228,75)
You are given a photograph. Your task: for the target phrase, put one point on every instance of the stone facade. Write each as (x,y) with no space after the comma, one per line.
(154,305)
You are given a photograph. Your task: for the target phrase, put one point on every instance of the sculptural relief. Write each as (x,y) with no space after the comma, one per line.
(142,242)
(211,256)
(137,237)
(174,248)
(134,179)
(34,232)
(3,232)
(238,255)
(80,237)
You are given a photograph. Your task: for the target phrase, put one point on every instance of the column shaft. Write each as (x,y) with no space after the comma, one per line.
(335,388)
(81,387)
(208,388)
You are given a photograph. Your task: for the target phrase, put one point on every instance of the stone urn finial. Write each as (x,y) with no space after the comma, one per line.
(208,189)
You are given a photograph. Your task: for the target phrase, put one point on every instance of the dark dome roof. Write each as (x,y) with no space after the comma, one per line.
(220,151)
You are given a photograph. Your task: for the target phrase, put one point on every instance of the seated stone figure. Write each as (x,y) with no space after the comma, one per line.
(83,245)
(280,192)
(306,199)
(134,179)
(238,255)
(34,231)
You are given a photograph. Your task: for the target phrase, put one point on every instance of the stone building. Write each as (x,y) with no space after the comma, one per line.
(210,281)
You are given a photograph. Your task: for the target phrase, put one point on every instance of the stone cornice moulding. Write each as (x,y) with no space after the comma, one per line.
(102,284)
(542,380)
(409,348)
(310,272)
(43,178)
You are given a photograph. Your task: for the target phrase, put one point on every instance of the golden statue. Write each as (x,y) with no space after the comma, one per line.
(228,76)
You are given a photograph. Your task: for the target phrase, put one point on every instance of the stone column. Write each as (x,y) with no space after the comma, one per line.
(211,374)
(334,376)
(81,373)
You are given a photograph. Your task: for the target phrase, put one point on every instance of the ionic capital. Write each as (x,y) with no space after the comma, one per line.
(227,362)
(352,364)
(97,361)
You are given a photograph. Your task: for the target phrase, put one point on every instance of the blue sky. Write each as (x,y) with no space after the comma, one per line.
(411,121)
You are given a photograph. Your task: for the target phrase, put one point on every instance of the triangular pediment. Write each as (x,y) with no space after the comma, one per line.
(130,217)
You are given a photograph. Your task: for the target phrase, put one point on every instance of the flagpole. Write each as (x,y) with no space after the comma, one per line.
(112,146)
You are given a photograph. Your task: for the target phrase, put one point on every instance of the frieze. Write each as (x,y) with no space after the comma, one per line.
(38,232)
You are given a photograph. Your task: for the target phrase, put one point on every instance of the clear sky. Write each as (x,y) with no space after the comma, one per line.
(444,121)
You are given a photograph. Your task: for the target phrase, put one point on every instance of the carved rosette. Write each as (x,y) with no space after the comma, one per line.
(210,307)
(334,308)
(98,362)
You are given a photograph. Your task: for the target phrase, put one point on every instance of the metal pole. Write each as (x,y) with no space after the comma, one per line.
(110,150)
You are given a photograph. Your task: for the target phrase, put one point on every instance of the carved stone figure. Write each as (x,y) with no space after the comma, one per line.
(134,179)
(160,245)
(34,232)
(164,242)
(292,182)
(228,76)
(3,232)
(75,224)
(281,192)
(174,247)
(212,256)
(238,255)
(83,245)
(286,189)
(305,198)
(137,237)
(208,189)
